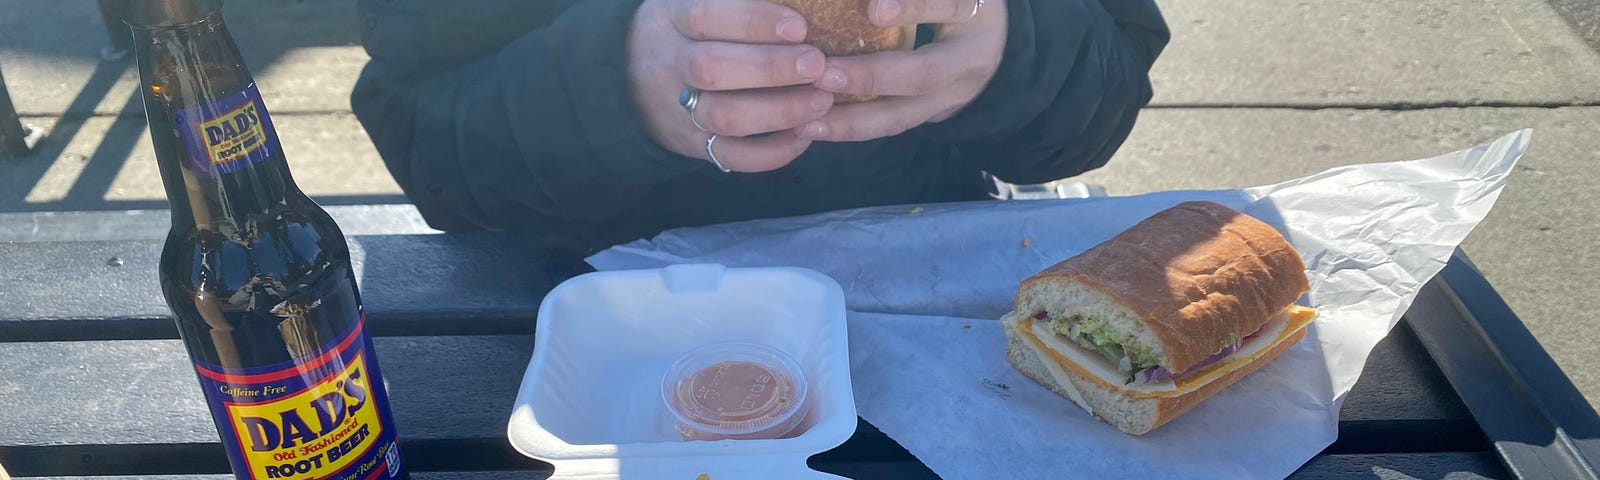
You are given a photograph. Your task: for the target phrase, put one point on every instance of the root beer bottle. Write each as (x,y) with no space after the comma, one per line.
(257,276)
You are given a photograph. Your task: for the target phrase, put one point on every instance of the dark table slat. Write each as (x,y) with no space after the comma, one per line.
(1390,408)
(108,290)
(1413,466)
(417,476)
(101,225)
(111,406)
(1405,466)
(1538,421)
(868,445)
(86,393)
(145,391)
(191,458)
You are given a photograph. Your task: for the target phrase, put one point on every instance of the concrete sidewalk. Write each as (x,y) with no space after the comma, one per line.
(1248,93)
(1253,93)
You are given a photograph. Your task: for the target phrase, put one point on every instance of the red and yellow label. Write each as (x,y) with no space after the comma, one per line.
(318,431)
(322,417)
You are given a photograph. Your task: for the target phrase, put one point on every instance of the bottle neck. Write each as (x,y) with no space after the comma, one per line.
(218,153)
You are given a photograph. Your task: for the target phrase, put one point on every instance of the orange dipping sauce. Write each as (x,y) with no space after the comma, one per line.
(735,391)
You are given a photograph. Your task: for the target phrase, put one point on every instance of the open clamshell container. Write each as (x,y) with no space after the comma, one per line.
(592,403)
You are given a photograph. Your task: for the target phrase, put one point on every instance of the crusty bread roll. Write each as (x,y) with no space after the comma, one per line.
(842,28)
(1180,281)
(1200,291)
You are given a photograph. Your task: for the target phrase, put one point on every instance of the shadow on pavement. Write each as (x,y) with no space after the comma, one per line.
(264,29)
(75,32)
(28,171)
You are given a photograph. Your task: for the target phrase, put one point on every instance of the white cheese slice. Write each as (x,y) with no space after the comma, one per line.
(1092,361)
(1061,378)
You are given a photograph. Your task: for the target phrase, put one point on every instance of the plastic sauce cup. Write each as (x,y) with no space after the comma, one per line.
(737,391)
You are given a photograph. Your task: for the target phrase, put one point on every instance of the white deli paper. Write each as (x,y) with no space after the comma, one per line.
(926,285)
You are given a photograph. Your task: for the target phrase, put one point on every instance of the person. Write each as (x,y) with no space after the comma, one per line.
(561,119)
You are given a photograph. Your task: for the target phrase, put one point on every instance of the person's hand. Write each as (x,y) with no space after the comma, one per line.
(755,75)
(931,83)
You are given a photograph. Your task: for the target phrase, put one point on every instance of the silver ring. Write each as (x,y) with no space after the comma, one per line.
(975,9)
(689,99)
(710,141)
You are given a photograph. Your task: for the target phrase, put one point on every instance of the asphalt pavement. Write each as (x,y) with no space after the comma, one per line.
(1248,93)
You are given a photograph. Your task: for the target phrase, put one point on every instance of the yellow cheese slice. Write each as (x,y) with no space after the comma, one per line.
(1292,320)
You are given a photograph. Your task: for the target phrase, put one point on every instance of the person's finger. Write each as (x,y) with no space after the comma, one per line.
(739,66)
(879,118)
(912,12)
(747,21)
(898,73)
(759,154)
(750,112)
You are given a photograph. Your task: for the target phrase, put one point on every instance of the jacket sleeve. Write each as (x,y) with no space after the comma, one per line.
(1070,85)
(527,129)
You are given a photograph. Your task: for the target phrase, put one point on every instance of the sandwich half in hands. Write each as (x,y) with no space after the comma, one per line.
(841,28)
(1143,327)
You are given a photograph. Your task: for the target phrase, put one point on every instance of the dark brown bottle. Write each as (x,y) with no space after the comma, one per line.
(257,276)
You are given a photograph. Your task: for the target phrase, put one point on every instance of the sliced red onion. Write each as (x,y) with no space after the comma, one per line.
(1215,357)
(1158,374)
(1042,316)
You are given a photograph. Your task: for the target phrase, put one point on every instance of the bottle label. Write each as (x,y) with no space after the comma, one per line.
(324,416)
(227,135)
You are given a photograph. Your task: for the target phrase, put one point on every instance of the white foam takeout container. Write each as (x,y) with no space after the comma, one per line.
(590,403)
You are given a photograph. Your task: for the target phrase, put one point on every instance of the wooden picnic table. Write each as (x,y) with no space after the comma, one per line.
(93,381)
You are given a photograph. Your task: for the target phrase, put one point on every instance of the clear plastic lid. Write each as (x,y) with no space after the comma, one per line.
(735,390)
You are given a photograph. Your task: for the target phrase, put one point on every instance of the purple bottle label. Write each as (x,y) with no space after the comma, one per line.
(227,135)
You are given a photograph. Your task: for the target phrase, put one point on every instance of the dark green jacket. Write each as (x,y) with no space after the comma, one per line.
(514,115)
